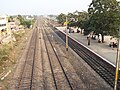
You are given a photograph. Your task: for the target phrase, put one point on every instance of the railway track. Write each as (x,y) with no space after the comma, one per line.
(104,69)
(26,77)
(57,66)
(52,70)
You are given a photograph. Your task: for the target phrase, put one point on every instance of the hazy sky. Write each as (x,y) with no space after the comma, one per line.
(42,7)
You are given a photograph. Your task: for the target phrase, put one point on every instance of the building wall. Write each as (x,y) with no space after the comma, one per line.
(3,25)
(3,22)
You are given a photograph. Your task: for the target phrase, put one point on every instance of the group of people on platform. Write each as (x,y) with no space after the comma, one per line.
(112,43)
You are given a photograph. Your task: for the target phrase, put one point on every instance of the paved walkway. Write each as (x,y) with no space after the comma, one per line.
(102,49)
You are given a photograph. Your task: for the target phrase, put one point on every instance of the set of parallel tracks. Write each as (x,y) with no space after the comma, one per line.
(27,73)
(52,69)
(104,69)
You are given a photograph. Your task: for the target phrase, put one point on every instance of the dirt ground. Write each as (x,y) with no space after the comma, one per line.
(16,51)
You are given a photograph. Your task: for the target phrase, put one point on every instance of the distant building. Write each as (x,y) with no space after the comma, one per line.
(15,25)
(3,25)
(3,22)
(29,17)
(52,17)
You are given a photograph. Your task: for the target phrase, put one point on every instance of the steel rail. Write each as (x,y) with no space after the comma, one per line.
(33,61)
(59,61)
(21,76)
(50,63)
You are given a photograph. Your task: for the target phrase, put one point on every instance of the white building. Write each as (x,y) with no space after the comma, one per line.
(3,25)
(29,17)
(3,22)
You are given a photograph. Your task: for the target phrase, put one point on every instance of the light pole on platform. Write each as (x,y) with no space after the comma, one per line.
(66,34)
(117,63)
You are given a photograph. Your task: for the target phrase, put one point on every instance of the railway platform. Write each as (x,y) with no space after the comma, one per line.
(103,49)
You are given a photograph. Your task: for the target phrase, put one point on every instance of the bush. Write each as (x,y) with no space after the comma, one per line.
(18,35)
(4,56)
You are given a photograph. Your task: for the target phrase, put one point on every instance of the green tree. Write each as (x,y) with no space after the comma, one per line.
(21,19)
(82,17)
(61,18)
(28,23)
(10,19)
(104,17)
(25,23)
(77,18)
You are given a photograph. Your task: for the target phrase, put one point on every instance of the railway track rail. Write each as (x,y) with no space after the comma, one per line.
(59,62)
(27,73)
(103,68)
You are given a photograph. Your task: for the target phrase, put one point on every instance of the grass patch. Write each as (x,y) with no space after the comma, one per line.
(18,35)
(4,56)
(8,51)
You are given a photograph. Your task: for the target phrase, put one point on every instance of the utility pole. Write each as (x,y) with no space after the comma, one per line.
(117,63)
(66,34)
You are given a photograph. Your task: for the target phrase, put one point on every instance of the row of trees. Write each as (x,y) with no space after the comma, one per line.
(24,22)
(103,17)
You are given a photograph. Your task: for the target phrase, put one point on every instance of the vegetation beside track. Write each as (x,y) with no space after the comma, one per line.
(10,53)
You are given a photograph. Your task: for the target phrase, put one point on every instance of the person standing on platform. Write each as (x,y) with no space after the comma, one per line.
(88,38)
